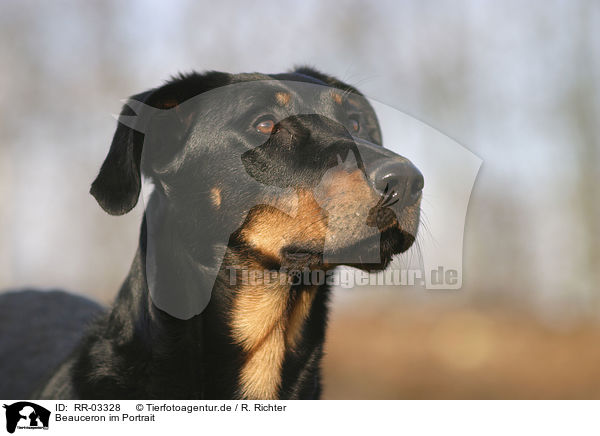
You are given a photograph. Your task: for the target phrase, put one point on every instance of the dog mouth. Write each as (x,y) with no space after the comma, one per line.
(297,256)
(375,252)
(371,253)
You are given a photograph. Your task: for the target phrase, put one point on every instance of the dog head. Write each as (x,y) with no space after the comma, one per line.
(287,168)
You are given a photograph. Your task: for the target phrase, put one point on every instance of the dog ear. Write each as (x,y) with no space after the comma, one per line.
(117,186)
(161,115)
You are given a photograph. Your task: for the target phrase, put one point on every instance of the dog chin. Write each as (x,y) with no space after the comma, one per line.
(389,243)
(371,254)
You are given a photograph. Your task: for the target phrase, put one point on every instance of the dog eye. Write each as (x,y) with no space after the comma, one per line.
(265,126)
(354,124)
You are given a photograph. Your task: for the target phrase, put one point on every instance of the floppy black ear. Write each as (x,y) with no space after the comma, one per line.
(165,119)
(118,184)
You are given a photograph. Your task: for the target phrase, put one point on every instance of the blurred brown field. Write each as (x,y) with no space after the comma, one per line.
(413,351)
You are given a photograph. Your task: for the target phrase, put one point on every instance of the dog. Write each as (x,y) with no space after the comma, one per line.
(255,186)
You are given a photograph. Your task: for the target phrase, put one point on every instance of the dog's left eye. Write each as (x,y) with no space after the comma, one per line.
(265,126)
(354,124)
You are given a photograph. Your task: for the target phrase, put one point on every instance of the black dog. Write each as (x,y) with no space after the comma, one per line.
(257,184)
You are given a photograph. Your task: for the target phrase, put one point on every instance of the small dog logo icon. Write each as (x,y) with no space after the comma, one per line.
(26,415)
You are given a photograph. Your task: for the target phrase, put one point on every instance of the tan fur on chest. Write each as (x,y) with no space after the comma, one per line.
(265,323)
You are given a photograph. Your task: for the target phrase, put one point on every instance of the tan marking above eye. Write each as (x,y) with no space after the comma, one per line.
(215,196)
(283,98)
(336,97)
(169,104)
(355,101)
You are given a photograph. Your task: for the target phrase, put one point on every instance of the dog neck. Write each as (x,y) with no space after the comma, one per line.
(265,317)
(250,342)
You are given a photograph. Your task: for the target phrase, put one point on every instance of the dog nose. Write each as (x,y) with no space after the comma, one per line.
(399,177)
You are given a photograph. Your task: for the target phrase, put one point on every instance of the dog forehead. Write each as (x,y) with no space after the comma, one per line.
(283,90)
(223,116)
(238,103)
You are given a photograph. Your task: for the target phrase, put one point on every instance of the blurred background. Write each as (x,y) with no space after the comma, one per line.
(516,83)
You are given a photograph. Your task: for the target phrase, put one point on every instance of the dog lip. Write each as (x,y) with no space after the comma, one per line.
(367,243)
(377,240)
(297,253)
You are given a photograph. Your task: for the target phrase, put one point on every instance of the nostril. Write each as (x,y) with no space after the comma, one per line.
(388,181)
(400,180)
